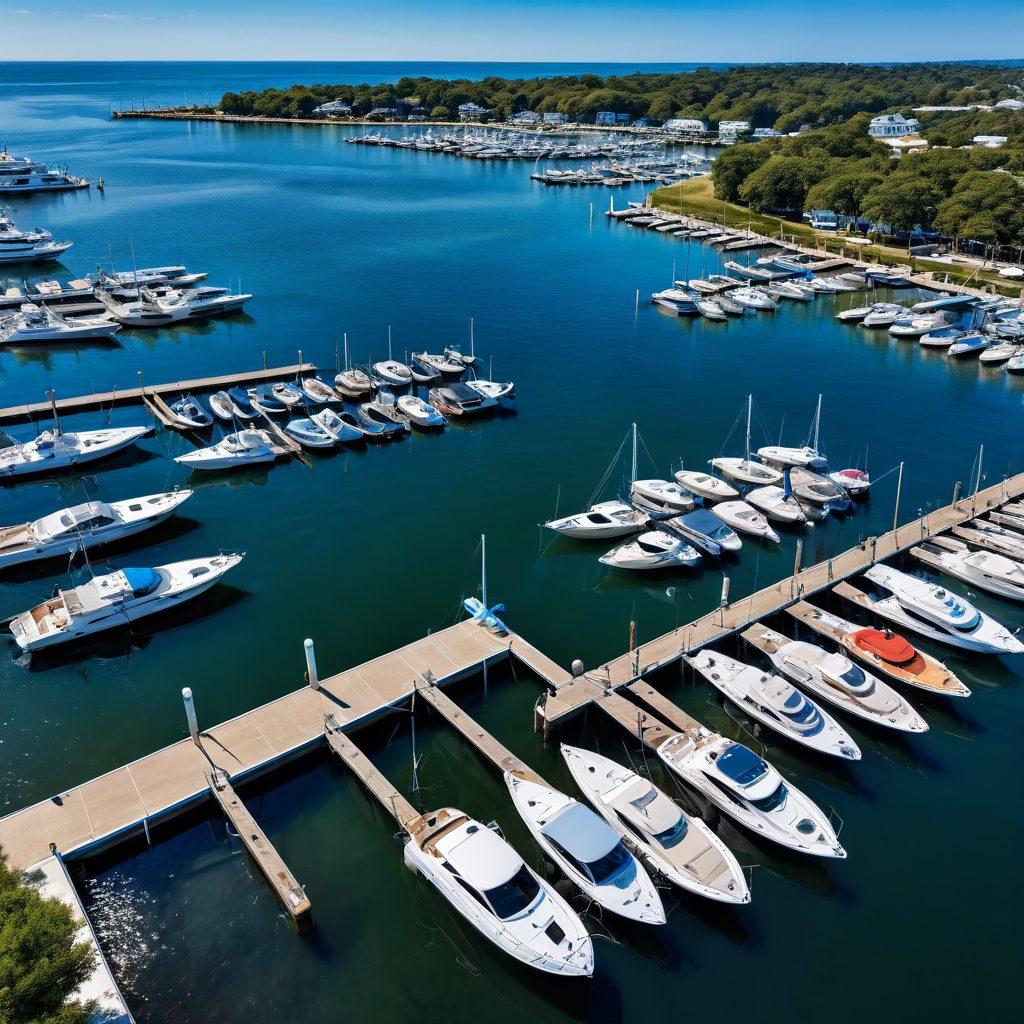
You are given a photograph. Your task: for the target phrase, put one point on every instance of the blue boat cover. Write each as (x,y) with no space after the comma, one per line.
(142,581)
(740,764)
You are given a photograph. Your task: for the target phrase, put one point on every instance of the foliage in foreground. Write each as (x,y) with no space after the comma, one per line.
(41,964)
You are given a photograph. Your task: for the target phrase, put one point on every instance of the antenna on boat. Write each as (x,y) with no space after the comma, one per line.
(53,408)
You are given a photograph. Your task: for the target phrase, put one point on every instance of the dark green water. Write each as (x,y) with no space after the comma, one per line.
(370,550)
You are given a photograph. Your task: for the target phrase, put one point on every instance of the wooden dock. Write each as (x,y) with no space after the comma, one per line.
(287,889)
(150,394)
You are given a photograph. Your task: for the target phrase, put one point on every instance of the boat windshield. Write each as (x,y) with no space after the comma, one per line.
(672,836)
(515,895)
(740,764)
(855,678)
(608,868)
(142,581)
(769,803)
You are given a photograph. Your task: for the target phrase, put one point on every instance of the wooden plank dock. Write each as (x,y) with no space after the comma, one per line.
(138,395)
(287,889)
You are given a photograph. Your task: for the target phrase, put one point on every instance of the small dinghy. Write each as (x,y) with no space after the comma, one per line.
(316,390)
(488,883)
(289,394)
(450,369)
(392,373)
(856,482)
(241,407)
(750,790)
(243,448)
(309,433)
(378,428)
(677,846)
(461,401)
(603,521)
(190,414)
(344,428)
(503,392)
(661,497)
(264,399)
(744,518)
(420,414)
(706,532)
(354,384)
(590,853)
(53,449)
(773,702)
(777,504)
(656,549)
(833,677)
(704,486)
(116,600)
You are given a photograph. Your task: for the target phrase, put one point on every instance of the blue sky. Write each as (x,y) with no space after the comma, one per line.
(598,30)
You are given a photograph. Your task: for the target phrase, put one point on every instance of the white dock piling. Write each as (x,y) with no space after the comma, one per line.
(311,675)
(190,714)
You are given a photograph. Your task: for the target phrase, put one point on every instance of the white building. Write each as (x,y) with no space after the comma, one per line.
(553,118)
(336,108)
(472,112)
(527,117)
(689,125)
(1017,105)
(767,133)
(892,126)
(733,127)
(989,141)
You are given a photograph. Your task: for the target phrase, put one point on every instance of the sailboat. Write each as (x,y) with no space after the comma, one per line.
(807,457)
(352,383)
(390,371)
(605,520)
(744,470)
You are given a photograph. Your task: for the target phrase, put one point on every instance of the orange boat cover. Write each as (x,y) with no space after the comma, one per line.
(892,647)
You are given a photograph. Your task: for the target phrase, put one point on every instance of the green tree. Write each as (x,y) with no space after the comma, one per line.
(41,964)
(778,184)
(842,193)
(902,201)
(985,206)
(441,114)
(735,165)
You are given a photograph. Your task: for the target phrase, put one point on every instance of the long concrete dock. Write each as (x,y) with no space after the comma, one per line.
(571,698)
(138,395)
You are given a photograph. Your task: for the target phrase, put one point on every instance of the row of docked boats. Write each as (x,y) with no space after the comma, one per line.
(615,173)
(35,245)
(704,515)
(21,175)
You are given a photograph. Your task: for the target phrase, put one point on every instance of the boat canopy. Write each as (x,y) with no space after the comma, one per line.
(582,833)
(740,764)
(480,856)
(889,647)
(142,581)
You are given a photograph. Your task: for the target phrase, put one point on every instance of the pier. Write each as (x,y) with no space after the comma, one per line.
(153,395)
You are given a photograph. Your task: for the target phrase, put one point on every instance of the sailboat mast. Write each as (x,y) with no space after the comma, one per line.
(632,479)
(483,569)
(817,424)
(389,341)
(750,402)
(346,350)
(472,346)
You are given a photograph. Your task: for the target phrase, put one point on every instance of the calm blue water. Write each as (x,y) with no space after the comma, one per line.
(369,550)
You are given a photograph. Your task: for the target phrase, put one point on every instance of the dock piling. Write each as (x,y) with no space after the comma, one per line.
(190,714)
(311,676)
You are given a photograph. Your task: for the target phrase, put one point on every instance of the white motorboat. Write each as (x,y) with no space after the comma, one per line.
(189,413)
(999,354)
(85,526)
(501,392)
(745,470)
(778,504)
(289,395)
(711,310)
(31,251)
(679,301)
(816,489)
(711,488)
(151,309)
(53,449)
(753,298)
(914,325)
(488,883)
(854,315)
(393,373)
(770,700)
(116,600)
(744,518)
(605,520)
(243,448)
(420,414)
(344,428)
(749,790)
(705,531)
(34,324)
(934,612)
(678,846)
(225,406)
(661,496)
(353,383)
(442,364)
(655,549)
(779,455)
(590,853)
(789,290)
(835,678)
(883,314)
(309,433)
(855,482)
(316,390)
(969,346)
(985,570)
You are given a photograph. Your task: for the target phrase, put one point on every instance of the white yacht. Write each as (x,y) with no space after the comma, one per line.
(770,700)
(678,846)
(655,549)
(934,612)
(711,488)
(502,392)
(745,470)
(488,883)
(777,503)
(243,448)
(753,298)
(605,520)
(748,789)
(393,373)
(856,482)
(39,179)
(805,457)
(54,449)
(31,252)
(985,570)
(833,677)
(661,496)
(158,310)
(34,324)
(744,518)
(116,600)
(85,526)
(590,853)
(883,314)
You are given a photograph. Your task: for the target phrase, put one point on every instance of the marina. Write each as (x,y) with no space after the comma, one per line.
(365,554)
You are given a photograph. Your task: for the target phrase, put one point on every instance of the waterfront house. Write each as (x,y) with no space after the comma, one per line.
(892,126)
(554,118)
(685,125)
(472,112)
(525,118)
(733,128)
(385,113)
(605,117)
(766,133)
(336,108)
(989,141)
